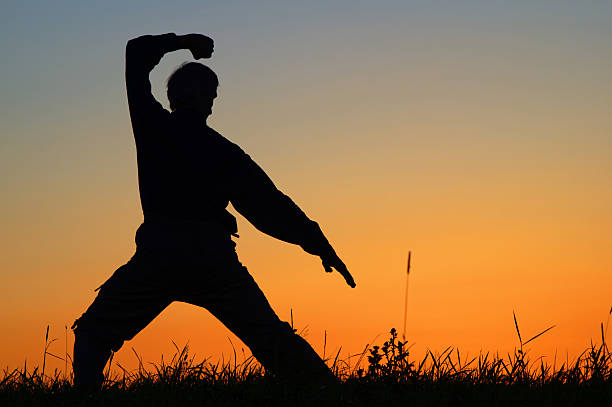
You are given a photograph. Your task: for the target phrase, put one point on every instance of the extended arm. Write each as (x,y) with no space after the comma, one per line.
(256,197)
(142,54)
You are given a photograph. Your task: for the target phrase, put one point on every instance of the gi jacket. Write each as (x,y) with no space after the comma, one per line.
(188,172)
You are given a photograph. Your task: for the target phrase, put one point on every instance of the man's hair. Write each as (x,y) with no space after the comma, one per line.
(188,83)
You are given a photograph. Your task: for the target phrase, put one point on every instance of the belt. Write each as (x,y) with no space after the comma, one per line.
(180,234)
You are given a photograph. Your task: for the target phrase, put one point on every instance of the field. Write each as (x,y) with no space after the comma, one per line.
(381,376)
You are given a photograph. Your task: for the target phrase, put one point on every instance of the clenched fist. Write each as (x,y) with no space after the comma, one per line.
(200,45)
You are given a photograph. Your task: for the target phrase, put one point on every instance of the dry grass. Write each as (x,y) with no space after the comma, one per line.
(380,375)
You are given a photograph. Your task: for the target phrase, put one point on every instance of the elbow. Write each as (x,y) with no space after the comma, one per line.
(135,44)
(131,47)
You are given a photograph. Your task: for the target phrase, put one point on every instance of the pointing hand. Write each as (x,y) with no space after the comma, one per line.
(332,260)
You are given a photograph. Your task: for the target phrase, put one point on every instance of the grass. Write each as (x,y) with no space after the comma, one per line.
(382,375)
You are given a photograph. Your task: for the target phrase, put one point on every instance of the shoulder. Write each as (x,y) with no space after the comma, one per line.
(226,145)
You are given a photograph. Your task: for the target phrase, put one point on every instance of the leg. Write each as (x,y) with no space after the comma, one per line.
(234,298)
(125,304)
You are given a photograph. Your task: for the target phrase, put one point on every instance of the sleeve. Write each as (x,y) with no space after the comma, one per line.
(254,195)
(142,54)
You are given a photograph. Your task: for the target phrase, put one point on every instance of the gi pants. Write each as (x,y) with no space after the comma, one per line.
(203,271)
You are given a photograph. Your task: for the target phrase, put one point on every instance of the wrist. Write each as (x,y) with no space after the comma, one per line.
(315,242)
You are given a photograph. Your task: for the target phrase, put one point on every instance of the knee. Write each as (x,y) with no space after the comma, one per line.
(90,336)
(280,332)
(286,329)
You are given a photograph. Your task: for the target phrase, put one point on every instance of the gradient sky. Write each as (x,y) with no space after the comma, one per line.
(476,134)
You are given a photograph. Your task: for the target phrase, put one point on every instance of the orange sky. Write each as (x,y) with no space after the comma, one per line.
(477,138)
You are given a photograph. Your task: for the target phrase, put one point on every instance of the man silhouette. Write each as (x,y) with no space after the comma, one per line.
(187,174)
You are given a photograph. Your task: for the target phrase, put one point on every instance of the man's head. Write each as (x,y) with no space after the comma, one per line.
(192,86)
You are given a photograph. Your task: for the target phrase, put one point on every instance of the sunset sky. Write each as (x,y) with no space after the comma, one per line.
(478,135)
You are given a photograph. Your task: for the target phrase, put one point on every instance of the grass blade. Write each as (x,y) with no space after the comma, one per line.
(541,333)
(517,328)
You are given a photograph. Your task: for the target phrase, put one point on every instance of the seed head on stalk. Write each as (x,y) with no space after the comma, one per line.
(406,295)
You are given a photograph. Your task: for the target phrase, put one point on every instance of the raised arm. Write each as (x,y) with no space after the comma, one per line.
(142,54)
(256,197)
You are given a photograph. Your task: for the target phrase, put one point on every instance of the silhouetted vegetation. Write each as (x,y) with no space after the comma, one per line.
(381,375)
